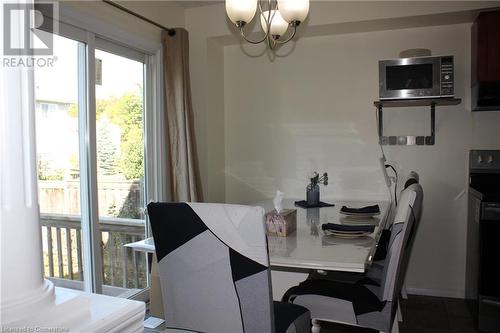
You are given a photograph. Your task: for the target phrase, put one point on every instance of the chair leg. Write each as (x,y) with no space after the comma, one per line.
(404,293)
(316,327)
(400,313)
(395,326)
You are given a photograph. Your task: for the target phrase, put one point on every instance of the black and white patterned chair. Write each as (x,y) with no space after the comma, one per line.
(367,302)
(214,270)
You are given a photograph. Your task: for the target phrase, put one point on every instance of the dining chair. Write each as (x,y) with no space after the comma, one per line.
(388,235)
(375,270)
(366,302)
(380,254)
(411,178)
(214,270)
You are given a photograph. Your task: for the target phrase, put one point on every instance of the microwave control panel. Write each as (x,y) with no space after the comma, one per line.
(447,76)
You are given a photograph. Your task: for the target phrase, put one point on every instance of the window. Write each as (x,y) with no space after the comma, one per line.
(92,163)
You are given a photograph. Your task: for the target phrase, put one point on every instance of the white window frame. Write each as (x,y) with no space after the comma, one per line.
(114,40)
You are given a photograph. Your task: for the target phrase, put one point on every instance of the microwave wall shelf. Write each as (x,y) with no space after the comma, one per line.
(411,140)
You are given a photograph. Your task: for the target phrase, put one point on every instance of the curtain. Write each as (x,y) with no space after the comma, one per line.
(184,171)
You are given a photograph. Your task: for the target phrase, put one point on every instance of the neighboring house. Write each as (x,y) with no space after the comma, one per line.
(57,136)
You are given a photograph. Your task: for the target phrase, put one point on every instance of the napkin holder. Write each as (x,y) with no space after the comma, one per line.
(281,224)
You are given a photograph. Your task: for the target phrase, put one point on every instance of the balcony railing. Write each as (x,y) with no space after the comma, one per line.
(63,252)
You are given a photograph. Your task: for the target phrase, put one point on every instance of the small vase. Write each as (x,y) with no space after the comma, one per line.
(312,196)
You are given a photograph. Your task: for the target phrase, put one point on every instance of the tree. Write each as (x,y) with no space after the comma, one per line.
(73,110)
(132,161)
(126,113)
(106,153)
(46,172)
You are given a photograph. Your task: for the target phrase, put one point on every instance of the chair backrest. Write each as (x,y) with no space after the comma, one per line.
(412,178)
(402,235)
(214,267)
(416,212)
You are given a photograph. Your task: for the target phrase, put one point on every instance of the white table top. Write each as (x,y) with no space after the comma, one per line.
(309,247)
(145,245)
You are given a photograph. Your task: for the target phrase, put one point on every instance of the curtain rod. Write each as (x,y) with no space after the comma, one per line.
(171,31)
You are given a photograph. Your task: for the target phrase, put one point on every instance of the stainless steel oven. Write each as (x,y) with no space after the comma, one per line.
(483,232)
(420,77)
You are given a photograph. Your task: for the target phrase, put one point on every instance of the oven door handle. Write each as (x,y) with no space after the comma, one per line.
(492,209)
(490,302)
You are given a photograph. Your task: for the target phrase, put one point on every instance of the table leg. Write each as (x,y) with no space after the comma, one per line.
(155,298)
(316,326)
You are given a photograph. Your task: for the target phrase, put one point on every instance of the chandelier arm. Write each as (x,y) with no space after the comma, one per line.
(260,7)
(269,2)
(289,38)
(271,42)
(268,21)
(261,13)
(253,41)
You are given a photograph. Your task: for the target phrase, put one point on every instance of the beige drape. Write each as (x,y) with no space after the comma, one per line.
(184,175)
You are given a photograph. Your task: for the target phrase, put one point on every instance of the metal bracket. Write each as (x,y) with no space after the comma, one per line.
(407,140)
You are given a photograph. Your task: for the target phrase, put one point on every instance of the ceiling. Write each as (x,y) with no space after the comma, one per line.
(194,3)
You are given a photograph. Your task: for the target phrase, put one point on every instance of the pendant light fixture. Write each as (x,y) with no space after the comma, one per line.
(275,18)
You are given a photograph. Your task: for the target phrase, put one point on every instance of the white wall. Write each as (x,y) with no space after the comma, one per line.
(310,111)
(167,13)
(313,110)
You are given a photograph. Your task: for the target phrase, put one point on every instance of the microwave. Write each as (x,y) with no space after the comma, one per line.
(419,77)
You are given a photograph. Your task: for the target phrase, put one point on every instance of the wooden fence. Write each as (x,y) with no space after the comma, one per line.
(117,197)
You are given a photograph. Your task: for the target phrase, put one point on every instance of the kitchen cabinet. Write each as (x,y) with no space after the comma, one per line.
(485,60)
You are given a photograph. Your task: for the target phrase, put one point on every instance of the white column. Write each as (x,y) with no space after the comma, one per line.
(22,283)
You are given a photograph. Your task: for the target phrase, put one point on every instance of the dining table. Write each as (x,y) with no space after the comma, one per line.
(310,248)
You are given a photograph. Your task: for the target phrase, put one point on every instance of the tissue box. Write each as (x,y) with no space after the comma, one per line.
(281,224)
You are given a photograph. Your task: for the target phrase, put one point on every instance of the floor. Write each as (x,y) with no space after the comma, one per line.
(421,314)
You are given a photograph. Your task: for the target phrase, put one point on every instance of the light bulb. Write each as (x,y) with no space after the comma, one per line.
(278,24)
(293,11)
(241,12)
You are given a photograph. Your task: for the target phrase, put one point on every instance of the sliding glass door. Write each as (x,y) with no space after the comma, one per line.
(91,164)
(57,127)
(120,168)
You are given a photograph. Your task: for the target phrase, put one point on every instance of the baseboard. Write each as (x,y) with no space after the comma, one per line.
(451,293)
